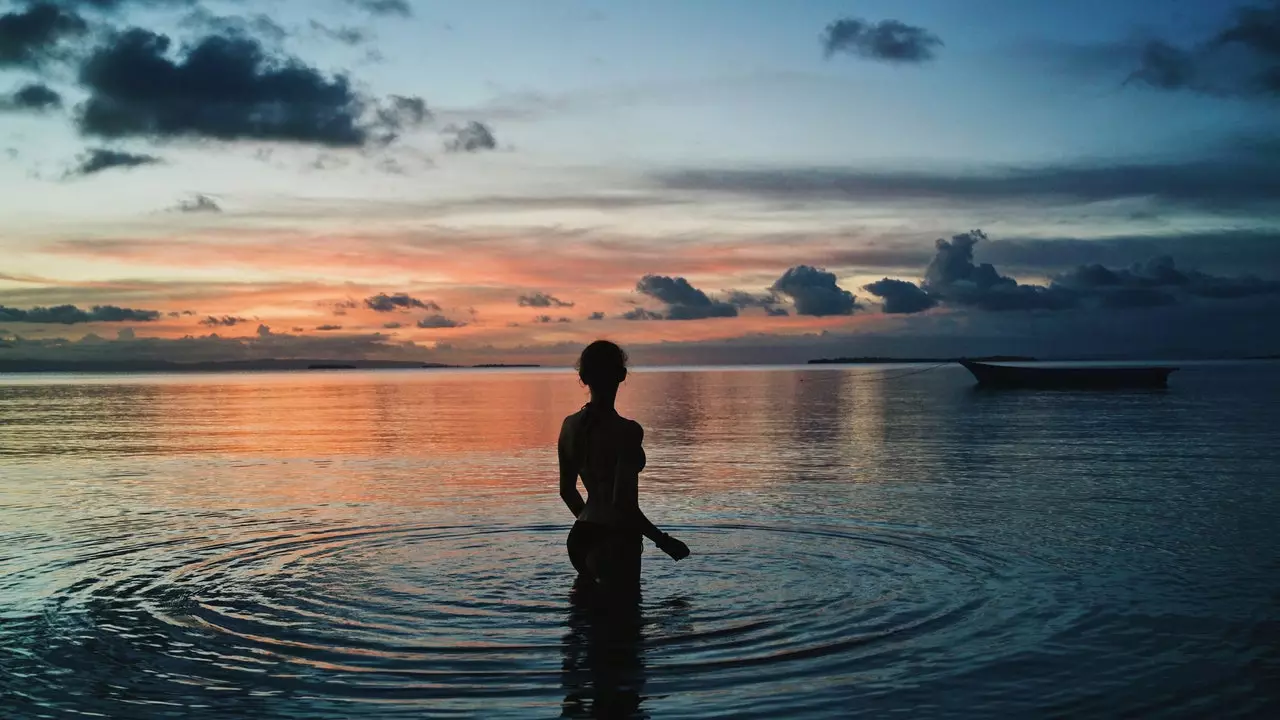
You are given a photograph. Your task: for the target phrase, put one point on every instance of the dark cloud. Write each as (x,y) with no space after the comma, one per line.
(546,319)
(71,315)
(542,300)
(776,312)
(596,316)
(953,278)
(224,321)
(328,328)
(438,322)
(222,88)
(32,97)
(472,137)
(397,8)
(40,33)
(384,303)
(392,325)
(887,41)
(1230,180)
(97,160)
(198,203)
(639,313)
(1240,59)
(684,301)
(900,296)
(815,292)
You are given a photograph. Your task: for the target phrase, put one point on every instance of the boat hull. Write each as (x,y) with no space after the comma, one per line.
(1079,378)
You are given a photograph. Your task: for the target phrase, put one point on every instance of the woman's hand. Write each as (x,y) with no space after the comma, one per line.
(673,547)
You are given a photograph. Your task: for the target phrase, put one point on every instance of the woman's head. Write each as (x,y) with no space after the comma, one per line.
(602,365)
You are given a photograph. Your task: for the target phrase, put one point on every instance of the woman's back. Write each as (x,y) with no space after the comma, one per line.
(602,443)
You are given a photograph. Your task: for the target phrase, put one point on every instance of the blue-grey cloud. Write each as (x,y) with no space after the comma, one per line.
(223,87)
(815,292)
(72,315)
(639,313)
(472,137)
(396,8)
(1242,58)
(223,321)
(394,302)
(40,33)
(596,316)
(542,300)
(684,301)
(97,160)
(328,328)
(438,322)
(953,278)
(547,319)
(900,296)
(743,299)
(1230,180)
(886,41)
(198,203)
(31,97)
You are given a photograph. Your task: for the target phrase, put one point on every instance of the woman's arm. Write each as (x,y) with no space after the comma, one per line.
(568,474)
(626,495)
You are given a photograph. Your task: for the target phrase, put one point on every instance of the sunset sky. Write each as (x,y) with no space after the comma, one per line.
(709,181)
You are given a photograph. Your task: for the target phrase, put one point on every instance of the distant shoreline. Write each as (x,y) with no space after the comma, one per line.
(142,366)
(315,365)
(872,360)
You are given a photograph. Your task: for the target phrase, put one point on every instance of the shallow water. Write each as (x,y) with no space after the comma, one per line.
(866,540)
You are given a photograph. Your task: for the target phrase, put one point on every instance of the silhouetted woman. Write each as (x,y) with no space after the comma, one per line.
(605,449)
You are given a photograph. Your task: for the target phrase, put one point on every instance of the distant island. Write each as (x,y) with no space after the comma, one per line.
(901,360)
(269,364)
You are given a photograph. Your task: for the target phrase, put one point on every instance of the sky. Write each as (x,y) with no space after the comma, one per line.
(712,181)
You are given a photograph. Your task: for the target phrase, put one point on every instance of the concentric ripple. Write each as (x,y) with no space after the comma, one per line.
(402,618)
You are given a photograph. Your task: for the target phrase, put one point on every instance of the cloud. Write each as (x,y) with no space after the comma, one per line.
(472,137)
(399,113)
(396,8)
(886,41)
(29,38)
(776,312)
(223,87)
(596,316)
(392,325)
(640,313)
(261,27)
(815,292)
(1229,180)
(224,321)
(900,296)
(437,321)
(953,278)
(71,315)
(398,302)
(1241,59)
(684,301)
(350,36)
(32,97)
(328,328)
(742,299)
(542,300)
(97,160)
(545,319)
(198,203)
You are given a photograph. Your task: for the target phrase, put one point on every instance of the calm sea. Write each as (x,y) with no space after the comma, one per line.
(866,540)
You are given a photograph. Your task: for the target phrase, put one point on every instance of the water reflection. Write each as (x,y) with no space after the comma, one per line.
(603,672)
